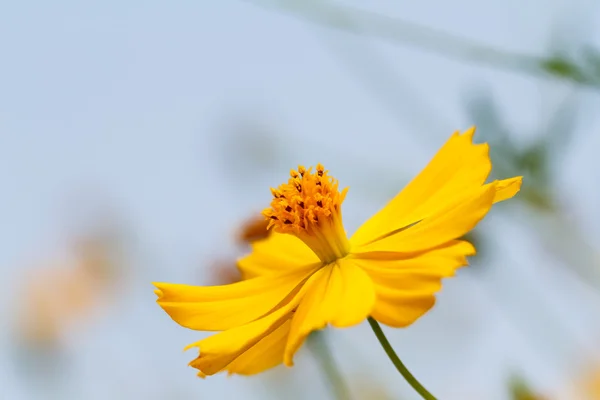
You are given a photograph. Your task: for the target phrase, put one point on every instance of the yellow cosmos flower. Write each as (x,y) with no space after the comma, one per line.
(308,274)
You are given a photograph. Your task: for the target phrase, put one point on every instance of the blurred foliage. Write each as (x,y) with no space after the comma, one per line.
(534,161)
(316,342)
(584,69)
(562,67)
(333,14)
(520,390)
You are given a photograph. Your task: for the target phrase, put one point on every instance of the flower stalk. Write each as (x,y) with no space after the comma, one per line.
(389,350)
(318,344)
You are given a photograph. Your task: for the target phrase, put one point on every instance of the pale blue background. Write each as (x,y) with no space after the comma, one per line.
(136,103)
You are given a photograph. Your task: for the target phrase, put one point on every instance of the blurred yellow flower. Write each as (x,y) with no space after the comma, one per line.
(253,229)
(588,385)
(308,274)
(54,299)
(224,272)
(593,389)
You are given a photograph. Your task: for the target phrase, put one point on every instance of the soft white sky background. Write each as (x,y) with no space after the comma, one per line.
(133,102)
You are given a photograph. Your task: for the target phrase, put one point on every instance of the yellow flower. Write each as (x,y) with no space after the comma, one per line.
(55,300)
(587,385)
(308,274)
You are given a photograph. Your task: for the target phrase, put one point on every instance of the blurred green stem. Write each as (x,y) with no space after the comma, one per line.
(318,345)
(451,46)
(397,362)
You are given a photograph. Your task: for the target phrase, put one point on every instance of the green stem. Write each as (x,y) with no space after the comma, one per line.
(397,362)
(316,342)
(443,43)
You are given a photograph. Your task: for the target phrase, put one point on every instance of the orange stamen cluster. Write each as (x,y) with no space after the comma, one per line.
(307,200)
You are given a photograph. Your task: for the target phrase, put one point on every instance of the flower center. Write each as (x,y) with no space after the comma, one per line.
(309,206)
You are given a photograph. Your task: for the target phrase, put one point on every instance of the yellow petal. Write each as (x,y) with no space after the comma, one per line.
(400,269)
(275,254)
(267,353)
(458,166)
(216,308)
(405,287)
(507,188)
(219,351)
(341,294)
(399,310)
(450,222)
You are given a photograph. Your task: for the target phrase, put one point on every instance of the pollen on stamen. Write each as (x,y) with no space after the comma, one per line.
(307,199)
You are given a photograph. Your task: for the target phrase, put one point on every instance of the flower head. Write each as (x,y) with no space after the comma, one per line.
(308,274)
(309,206)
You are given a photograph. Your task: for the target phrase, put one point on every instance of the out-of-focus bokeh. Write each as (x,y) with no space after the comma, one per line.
(138,140)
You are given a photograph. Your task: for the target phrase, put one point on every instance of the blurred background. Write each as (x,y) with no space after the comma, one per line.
(137,139)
